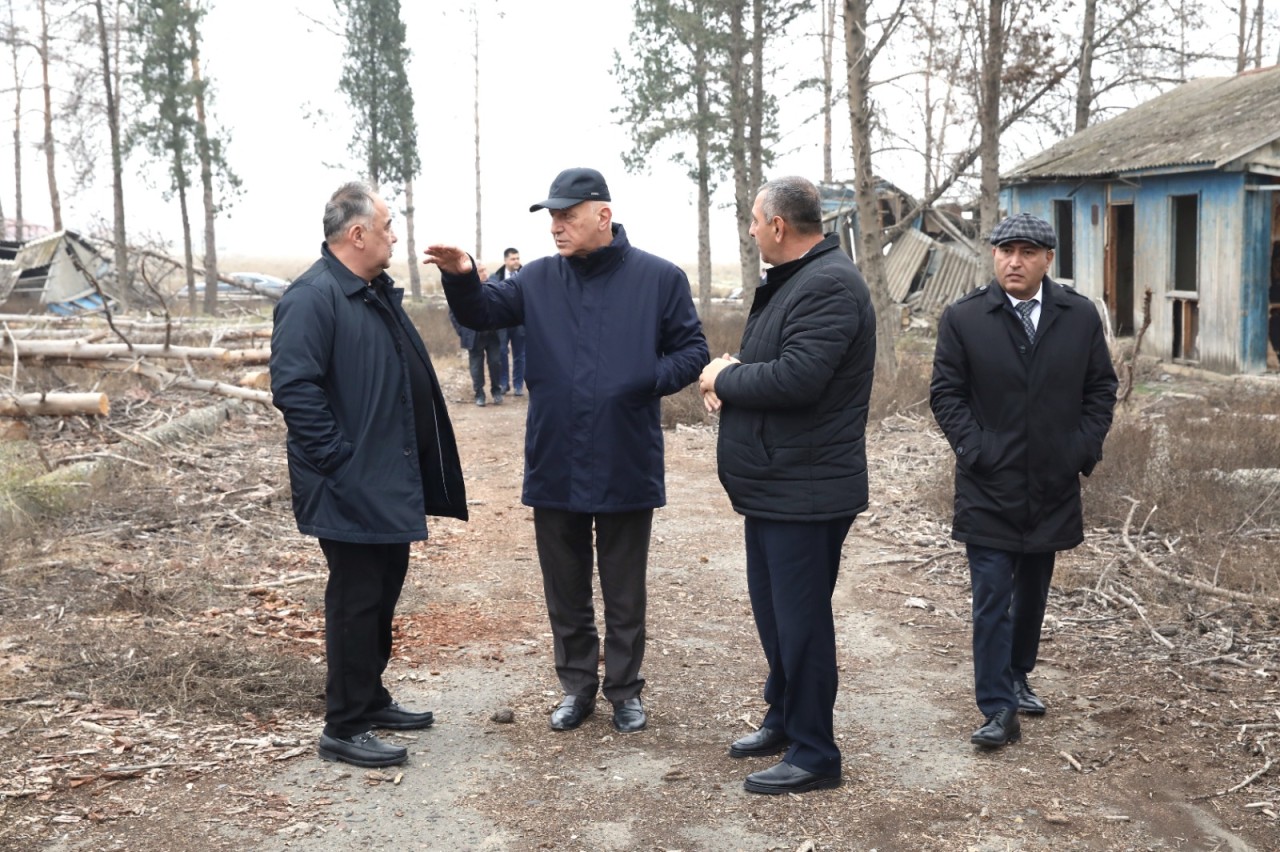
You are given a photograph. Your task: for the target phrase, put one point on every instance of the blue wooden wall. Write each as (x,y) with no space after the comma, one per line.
(1232,258)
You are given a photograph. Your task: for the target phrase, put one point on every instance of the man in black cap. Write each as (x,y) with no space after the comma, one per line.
(1023,389)
(609,330)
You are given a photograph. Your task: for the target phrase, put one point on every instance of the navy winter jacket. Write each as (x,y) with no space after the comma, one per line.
(340,377)
(607,336)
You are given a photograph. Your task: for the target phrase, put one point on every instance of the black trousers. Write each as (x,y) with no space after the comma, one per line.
(791,574)
(622,551)
(359,603)
(486,351)
(1009,595)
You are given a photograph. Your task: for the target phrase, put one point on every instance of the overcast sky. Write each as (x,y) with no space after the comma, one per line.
(547,94)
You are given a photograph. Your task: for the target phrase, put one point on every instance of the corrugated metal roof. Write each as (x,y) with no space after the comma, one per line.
(1211,121)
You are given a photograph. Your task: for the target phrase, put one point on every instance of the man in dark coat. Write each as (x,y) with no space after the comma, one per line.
(510,339)
(792,457)
(371,451)
(610,330)
(483,347)
(1023,388)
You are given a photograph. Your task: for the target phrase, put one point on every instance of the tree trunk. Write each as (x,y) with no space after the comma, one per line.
(475,18)
(415,273)
(1258,23)
(989,117)
(188,254)
(702,143)
(204,152)
(55,404)
(1084,94)
(1242,38)
(117,164)
(55,201)
(18,228)
(870,236)
(743,196)
(828,48)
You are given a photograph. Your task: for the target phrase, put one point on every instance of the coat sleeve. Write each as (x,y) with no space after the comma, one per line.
(301,344)
(816,333)
(683,346)
(949,393)
(1099,400)
(483,307)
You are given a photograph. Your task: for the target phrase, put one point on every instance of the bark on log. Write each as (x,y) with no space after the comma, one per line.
(96,351)
(55,404)
(166,380)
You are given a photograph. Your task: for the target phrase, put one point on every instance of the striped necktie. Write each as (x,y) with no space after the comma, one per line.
(1024,311)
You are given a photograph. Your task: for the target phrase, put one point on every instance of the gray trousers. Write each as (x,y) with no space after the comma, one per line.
(565,554)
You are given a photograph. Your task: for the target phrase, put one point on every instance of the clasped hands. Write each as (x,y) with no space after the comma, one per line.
(707,381)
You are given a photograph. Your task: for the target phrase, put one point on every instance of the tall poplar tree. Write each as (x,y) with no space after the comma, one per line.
(376,84)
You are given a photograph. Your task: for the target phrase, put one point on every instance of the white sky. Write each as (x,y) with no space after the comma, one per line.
(546,94)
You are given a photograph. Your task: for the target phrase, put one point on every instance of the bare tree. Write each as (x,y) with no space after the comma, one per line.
(207,155)
(13,37)
(55,200)
(860,55)
(475,59)
(828,11)
(111,89)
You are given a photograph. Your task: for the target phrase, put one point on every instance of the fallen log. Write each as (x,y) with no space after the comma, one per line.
(165,379)
(74,350)
(55,404)
(72,485)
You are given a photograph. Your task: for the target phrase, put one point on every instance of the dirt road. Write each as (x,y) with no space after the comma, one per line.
(1116,764)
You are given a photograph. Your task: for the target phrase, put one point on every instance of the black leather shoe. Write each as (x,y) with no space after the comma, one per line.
(393,717)
(571,712)
(760,743)
(361,750)
(629,716)
(786,778)
(1028,701)
(1000,729)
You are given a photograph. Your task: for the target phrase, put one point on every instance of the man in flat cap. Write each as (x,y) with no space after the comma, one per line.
(1023,389)
(609,331)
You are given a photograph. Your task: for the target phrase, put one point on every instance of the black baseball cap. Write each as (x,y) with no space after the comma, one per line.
(574,186)
(1024,228)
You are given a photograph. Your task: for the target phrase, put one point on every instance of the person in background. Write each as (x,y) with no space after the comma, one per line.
(483,348)
(1023,389)
(610,331)
(792,457)
(371,452)
(511,339)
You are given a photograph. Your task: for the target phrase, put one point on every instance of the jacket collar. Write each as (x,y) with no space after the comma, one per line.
(778,275)
(1052,302)
(1051,296)
(353,284)
(602,259)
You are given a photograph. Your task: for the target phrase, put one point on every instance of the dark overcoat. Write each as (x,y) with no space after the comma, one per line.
(340,377)
(607,336)
(792,443)
(1025,420)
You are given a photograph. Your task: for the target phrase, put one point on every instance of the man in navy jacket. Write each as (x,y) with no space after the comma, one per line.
(610,330)
(371,451)
(1024,389)
(792,458)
